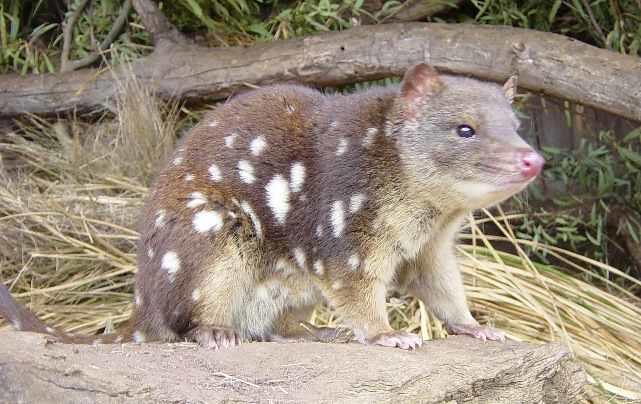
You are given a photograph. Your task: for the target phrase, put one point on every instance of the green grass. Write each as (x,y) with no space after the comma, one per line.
(31,36)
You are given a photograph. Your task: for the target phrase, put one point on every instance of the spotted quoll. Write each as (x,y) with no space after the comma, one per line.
(285,197)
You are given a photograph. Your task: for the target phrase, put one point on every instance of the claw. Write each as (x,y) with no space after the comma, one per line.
(214,337)
(476,331)
(397,339)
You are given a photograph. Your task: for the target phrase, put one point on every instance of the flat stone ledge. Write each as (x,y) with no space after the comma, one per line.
(457,369)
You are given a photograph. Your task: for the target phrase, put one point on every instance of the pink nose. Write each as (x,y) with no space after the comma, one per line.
(530,163)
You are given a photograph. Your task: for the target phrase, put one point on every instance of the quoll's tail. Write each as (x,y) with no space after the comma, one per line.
(24,320)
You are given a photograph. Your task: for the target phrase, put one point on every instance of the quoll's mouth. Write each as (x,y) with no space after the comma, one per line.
(523,166)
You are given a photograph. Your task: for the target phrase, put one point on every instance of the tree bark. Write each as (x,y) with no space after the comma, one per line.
(545,62)
(157,24)
(459,369)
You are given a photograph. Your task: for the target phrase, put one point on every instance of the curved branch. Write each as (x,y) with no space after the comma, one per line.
(67,34)
(415,10)
(157,24)
(545,62)
(113,34)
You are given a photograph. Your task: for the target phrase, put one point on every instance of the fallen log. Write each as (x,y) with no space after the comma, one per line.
(458,369)
(547,63)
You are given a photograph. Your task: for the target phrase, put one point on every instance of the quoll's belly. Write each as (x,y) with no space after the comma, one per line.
(273,298)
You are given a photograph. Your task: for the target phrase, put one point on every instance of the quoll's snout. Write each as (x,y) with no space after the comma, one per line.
(530,163)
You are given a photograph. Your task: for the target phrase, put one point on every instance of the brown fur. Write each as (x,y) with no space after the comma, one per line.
(386,185)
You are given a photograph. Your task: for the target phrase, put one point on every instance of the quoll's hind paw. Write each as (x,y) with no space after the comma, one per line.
(476,331)
(397,339)
(214,337)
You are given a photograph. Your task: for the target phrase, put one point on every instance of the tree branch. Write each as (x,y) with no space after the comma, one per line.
(594,23)
(157,24)
(113,34)
(67,34)
(545,62)
(415,10)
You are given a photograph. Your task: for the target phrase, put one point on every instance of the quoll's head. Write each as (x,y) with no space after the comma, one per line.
(459,135)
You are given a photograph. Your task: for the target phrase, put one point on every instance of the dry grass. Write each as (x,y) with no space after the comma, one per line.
(70,193)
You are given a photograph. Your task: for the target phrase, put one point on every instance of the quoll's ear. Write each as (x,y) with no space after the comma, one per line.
(509,88)
(420,80)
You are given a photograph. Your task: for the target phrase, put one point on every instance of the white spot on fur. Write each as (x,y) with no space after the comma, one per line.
(354,261)
(281,265)
(278,197)
(231,214)
(284,266)
(214,173)
(160,218)
(302,198)
(16,324)
(213,123)
(118,340)
(150,253)
(337,285)
(299,255)
(178,160)
(319,268)
(369,137)
(338,218)
(297,176)
(170,263)
(356,202)
(319,231)
(195,295)
(189,177)
(196,199)
(139,337)
(138,299)
(246,172)
(207,220)
(246,207)
(257,145)
(229,140)
(50,330)
(342,146)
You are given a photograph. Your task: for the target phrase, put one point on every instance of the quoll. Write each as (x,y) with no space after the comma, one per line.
(285,197)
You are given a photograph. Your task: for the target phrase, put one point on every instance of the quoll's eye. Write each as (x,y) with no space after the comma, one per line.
(465,131)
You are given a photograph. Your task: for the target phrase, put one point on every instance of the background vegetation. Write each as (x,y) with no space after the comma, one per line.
(552,268)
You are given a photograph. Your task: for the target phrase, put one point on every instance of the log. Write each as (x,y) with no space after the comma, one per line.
(458,369)
(547,63)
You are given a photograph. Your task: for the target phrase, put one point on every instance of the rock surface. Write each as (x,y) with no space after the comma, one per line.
(458,369)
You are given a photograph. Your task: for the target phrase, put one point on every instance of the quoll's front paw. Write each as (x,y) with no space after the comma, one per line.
(397,339)
(476,331)
(214,337)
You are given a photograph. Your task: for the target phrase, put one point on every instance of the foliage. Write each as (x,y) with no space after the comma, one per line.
(599,200)
(614,24)
(247,20)
(22,52)
(94,24)
(28,45)
(31,37)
